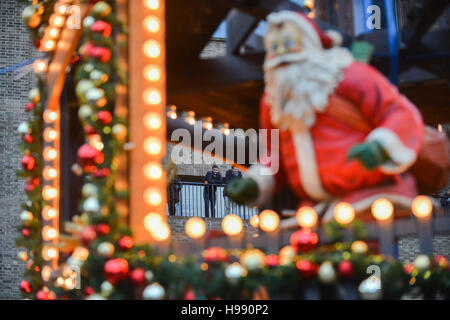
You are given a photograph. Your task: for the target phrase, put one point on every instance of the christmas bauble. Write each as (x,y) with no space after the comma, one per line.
(23,128)
(125,243)
(31,16)
(106,289)
(137,276)
(89,190)
(104,117)
(25,286)
(105,249)
(102,229)
(153,292)
(45,295)
(189,295)
(149,275)
(102,27)
(345,269)
(26,217)
(28,162)
(88,235)
(28,138)
(215,254)
(370,289)
(116,270)
(35,95)
(84,112)
(30,106)
(87,155)
(88,21)
(422,262)
(307,268)
(441,261)
(252,259)
(22,255)
(26,232)
(82,87)
(91,205)
(101,9)
(101,53)
(234,272)
(119,131)
(94,94)
(272,260)
(327,274)
(95,296)
(287,254)
(304,240)
(359,247)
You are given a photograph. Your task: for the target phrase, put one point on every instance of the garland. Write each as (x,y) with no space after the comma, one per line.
(113,267)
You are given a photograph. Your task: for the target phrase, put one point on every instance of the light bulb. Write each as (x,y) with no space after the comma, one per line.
(50,116)
(152,146)
(49,233)
(40,66)
(152,96)
(382,209)
(49,253)
(49,193)
(162,233)
(46,273)
(152,121)
(50,153)
(151,24)
(152,196)
(53,32)
(49,213)
(195,227)
(50,134)
(232,225)
(269,220)
(422,207)
(152,4)
(344,213)
(50,173)
(152,221)
(306,217)
(49,45)
(152,73)
(152,48)
(153,171)
(254,221)
(61,8)
(56,20)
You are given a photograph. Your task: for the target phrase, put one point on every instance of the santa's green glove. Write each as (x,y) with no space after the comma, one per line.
(242,191)
(370,154)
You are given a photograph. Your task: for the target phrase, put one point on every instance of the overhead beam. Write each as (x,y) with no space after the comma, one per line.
(239,27)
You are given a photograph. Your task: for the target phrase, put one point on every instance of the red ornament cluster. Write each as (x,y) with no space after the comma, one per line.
(304,240)
(116,270)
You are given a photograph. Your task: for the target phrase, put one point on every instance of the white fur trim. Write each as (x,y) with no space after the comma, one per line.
(303,24)
(306,159)
(335,36)
(265,181)
(401,156)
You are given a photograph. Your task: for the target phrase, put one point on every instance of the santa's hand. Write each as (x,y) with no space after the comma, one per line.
(370,154)
(242,191)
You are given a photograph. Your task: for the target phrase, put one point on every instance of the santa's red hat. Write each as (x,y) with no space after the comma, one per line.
(318,38)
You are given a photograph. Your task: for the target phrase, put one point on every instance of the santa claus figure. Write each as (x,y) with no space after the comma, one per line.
(346,134)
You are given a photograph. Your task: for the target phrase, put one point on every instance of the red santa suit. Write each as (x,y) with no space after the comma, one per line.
(314,161)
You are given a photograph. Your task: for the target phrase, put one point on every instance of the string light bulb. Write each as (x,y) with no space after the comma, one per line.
(172,113)
(152,96)
(152,48)
(195,228)
(50,173)
(422,207)
(232,225)
(152,221)
(50,134)
(151,24)
(50,116)
(50,153)
(49,213)
(152,196)
(49,193)
(49,253)
(61,8)
(152,4)
(46,273)
(225,129)
(190,117)
(49,45)
(49,233)
(152,146)
(162,233)
(269,220)
(152,121)
(56,20)
(207,123)
(53,32)
(152,73)
(382,209)
(254,221)
(306,217)
(153,171)
(344,213)
(40,66)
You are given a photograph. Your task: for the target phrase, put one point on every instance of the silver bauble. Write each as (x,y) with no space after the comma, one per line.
(370,289)
(153,292)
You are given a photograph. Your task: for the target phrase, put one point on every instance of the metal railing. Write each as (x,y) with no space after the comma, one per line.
(190,199)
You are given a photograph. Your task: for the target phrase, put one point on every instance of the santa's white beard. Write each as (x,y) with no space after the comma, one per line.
(301,88)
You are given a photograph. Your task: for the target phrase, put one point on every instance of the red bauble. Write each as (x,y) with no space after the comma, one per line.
(102,27)
(116,270)
(101,53)
(104,117)
(137,276)
(25,286)
(30,106)
(215,254)
(125,243)
(28,138)
(189,295)
(102,229)
(45,295)
(87,154)
(88,235)
(88,129)
(102,173)
(345,269)
(307,268)
(304,240)
(88,291)
(26,232)
(272,260)
(28,162)
(409,268)
(441,261)
(85,49)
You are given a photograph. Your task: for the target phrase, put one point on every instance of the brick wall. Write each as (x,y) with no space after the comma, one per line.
(15,47)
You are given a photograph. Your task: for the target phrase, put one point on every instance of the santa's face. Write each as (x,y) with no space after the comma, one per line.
(282,39)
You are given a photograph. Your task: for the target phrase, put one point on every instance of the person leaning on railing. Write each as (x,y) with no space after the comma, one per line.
(230,175)
(211,180)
